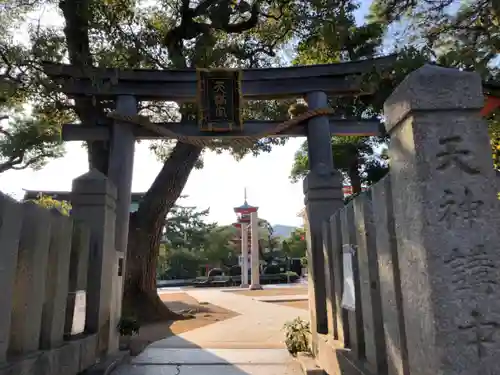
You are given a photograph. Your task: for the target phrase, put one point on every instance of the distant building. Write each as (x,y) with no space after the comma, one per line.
(66,196)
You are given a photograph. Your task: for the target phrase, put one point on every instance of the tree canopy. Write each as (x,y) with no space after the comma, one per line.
(30,128)
(186,228)
(190,242)
(295,245)
(450,33)
(453,33)
(337,38)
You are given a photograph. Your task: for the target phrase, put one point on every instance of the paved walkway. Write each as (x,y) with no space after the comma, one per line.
(283,298)
(251,343)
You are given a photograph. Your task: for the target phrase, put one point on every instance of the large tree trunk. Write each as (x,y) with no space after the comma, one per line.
(146,225)
(77,14)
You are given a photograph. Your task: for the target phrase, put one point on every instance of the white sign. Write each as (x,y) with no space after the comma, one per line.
(349,296)
(79,312)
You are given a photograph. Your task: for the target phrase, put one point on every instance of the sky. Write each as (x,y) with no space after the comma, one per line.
(219,185)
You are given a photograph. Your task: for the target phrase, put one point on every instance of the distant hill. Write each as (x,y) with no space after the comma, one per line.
(283,230)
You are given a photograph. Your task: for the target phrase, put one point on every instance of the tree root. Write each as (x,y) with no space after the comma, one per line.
(147,307)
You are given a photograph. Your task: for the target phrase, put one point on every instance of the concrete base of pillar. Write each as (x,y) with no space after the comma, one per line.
(255,287)
(243,285)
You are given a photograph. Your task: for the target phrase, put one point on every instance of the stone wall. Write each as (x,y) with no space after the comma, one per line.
(56,315)
(423,243)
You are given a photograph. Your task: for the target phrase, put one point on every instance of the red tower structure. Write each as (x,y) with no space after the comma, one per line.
(244,211)
(243,218)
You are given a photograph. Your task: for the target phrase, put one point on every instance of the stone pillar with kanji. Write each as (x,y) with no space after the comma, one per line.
(447,222)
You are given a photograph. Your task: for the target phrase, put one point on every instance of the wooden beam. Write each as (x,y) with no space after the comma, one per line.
(180,85)
(54,70)
(339,127)
(186,91)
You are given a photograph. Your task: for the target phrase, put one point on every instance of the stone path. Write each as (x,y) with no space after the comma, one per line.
(285,298)
(251,343)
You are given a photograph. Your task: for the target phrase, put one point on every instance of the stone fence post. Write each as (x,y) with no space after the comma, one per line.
(11,215)
(94,202)
(446,223)
(31,273)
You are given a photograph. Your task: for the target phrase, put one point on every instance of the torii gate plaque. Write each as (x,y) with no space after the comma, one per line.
(219,100)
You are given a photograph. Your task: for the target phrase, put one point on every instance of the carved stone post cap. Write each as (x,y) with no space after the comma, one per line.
(323,179)
(433,88)
(94,183)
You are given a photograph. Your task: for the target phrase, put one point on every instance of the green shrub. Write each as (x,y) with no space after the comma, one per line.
(296,335)
(46,201)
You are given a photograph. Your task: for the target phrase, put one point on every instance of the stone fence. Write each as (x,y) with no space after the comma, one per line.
(420,251)
(60,299)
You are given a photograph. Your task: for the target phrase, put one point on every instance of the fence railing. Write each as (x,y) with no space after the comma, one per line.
(55,316)
(412,266)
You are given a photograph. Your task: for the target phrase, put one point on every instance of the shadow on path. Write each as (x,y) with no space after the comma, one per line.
(236,346)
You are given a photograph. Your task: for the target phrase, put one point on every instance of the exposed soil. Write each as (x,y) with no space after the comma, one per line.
(273,292)
(200,315)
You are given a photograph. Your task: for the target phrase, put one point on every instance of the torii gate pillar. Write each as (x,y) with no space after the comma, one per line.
(121,164)
(323,196)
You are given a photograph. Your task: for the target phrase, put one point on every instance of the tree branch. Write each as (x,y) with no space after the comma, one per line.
(240,27)
(5,132)
(203,7)
(32,161)
(5,166)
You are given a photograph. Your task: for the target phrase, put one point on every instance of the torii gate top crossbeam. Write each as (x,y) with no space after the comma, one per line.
(180,85)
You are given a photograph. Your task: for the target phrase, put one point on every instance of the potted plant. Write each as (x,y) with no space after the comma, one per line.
(127,327)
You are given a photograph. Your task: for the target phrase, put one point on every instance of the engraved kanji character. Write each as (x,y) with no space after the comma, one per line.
(472,268)
(220,111)
(453,155)
(220,100)
(483,332)
(454,207)
(219,87)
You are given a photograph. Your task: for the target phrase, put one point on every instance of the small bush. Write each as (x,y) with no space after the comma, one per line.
(46,201)
(296,336)
(128,326)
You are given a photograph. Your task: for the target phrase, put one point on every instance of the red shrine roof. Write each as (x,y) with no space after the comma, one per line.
(245,208)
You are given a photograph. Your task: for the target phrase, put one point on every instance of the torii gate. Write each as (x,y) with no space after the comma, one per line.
(219,120)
